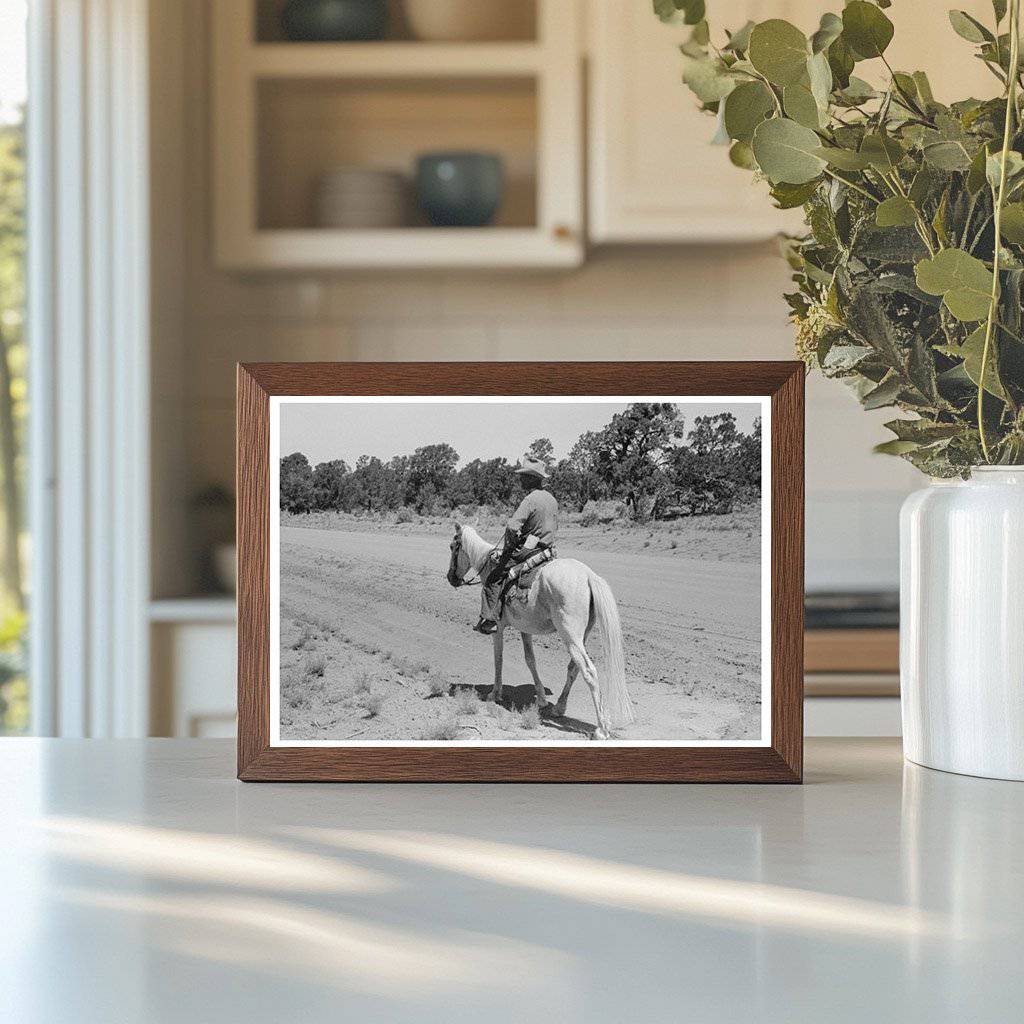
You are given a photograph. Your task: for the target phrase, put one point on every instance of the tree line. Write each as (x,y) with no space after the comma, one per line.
(644,458)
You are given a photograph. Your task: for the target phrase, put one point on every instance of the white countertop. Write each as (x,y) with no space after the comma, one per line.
(140,882)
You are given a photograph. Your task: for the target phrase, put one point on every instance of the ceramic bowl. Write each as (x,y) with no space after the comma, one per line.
(333,21)
(359,197)
(460,189)
(471,20)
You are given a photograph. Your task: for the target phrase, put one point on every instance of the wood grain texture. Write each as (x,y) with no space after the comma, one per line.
(780,762)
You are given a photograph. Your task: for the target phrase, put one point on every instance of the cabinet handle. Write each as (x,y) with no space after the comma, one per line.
(562,232)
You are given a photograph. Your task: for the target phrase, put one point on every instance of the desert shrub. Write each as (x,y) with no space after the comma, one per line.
(314,666)
(529,718)
(410,668)
(363,683)
(304,637)
(372,704)
(467,702)
(405,515)
(445,729)
(294,689)
(437,684)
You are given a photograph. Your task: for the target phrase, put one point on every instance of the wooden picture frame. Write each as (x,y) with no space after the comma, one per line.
(778,758)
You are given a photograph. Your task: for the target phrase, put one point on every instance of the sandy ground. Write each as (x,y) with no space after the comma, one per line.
(376,645)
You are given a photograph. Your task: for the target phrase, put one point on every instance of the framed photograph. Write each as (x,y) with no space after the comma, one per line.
(577,572)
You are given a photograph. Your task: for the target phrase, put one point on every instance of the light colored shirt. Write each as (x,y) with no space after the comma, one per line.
(537,515)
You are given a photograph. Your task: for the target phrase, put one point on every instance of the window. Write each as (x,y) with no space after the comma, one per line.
(14,691)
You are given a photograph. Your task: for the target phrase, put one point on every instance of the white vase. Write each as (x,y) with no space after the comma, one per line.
(962,624)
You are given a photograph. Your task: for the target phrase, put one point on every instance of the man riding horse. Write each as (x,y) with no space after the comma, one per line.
(529,537)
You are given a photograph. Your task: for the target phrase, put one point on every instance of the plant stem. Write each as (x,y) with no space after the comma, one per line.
(1011,108)
(853,185)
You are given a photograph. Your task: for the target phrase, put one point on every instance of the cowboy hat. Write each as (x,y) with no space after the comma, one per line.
(532,467)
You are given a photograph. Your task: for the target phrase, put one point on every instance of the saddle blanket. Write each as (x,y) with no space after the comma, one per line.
(522,575)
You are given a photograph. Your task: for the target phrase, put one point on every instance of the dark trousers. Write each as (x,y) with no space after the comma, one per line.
(490,592)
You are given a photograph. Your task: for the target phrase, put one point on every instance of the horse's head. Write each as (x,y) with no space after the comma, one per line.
(459,563)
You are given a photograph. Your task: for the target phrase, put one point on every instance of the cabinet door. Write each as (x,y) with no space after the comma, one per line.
(654,177)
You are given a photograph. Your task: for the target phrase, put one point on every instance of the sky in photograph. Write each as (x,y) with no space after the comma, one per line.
(346,430)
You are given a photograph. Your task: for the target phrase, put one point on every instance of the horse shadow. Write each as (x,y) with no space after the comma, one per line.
(519,698)
(514,698)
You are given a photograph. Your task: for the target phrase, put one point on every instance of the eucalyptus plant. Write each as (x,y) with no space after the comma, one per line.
(910,278)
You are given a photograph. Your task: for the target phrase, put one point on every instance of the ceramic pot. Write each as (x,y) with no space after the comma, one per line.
(962,624)
(471,20)
(333,21)
(358,197)
(460,189)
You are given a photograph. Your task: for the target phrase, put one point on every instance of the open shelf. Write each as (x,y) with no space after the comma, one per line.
(286,114)
(307,128)
(393,60)
(520,23)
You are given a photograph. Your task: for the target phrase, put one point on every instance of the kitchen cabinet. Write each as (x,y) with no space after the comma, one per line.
(654,177)
(288,114)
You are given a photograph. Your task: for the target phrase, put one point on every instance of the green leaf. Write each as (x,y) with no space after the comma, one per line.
(947,156)
(779,51)
(819,74)
(882,151)
(1012,224)
(690,12)
(976,173)
(788,197)
(963,281)
(923,431)
(745,108)
(895,447)
(701,34)
(741,155)
(787,152)
(999,9)
(924,88)
(857,91)
(707,78)
(993,167)
(885,394)
(939,220)
(739,41)
(829,30)
(969,28)
(971,351)
(895,212)
(922,185)
(801,106)
(841,63)
(844,159)
(666,10)
(866,29)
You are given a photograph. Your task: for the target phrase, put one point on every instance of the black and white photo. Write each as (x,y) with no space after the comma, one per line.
(516,571)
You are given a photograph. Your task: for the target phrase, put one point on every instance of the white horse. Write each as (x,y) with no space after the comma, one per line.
(567,598)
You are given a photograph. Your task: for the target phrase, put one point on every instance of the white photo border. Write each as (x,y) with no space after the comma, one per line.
(274,491)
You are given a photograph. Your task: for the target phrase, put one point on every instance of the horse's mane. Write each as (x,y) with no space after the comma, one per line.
(475,546)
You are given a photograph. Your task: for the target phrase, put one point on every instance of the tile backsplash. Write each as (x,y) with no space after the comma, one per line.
(672,302)
(709,303)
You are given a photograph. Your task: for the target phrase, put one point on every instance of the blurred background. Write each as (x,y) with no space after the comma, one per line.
(360,180)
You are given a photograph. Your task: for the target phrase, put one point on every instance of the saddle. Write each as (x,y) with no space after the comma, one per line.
(520,576)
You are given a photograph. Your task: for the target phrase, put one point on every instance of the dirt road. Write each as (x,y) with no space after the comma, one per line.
(377,611)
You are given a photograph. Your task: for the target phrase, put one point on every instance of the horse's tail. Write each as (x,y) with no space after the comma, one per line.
(612,680)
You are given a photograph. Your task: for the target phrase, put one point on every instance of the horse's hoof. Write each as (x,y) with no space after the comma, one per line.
(549,711)
(601,734)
